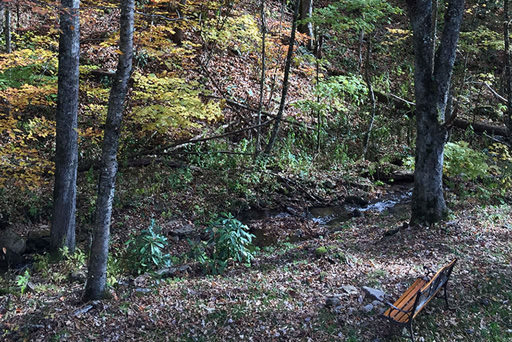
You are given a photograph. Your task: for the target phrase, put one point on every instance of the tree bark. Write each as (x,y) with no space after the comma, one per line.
(508,72)
(371,96)
(7,29)
(305,13)
(66,154)
(431,86)
(97,270)
(178,35)
(287,68)
(257,145)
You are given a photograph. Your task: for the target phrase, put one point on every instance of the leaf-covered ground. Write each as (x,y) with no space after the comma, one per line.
(282,297)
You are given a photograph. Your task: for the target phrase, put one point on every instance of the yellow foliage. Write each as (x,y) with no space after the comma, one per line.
(95,94)
(19,98)
(168,104)
(26,57)
(503,158)
(86,69)
(47,42)
(20,164)
(239,32)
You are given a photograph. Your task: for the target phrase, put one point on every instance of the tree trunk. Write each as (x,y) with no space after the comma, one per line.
(306,12)
(66,153)
(97,270)
(431,87)
(7,29)
(18,16)
(287,67)
(508,72)
(371,96)
(257,145)
(178,35)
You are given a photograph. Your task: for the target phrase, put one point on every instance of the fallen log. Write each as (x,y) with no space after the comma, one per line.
(481,127)
(478,126)
(87,165)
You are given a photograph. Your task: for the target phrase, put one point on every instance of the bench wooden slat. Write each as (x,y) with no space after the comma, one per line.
(417,296)
(442,272)
(405,302)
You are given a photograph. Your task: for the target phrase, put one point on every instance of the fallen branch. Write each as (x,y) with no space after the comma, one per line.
(193,141)
(87,165)
(478,127)
(219,152)
(300,187)
(169,148)
(494,92)
(83,310)
(256,110)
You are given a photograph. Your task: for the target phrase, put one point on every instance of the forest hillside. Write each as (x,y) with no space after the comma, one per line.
(241,170)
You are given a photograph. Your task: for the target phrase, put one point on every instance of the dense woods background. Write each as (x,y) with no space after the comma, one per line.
(213,170)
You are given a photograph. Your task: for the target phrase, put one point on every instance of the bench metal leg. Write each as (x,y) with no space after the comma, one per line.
(446,298)
(410,330)
(411,333)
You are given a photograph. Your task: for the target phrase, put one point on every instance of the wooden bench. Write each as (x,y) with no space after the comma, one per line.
(417,296)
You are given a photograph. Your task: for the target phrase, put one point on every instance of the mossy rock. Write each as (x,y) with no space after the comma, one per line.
(321,251)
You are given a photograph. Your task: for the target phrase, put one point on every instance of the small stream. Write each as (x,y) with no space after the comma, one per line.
(396,200)
(335,215)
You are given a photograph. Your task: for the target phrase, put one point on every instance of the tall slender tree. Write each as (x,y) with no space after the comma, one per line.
(284,92)
(305,13)
(432,78)
(66,155)
(97,272)
(508,71)
(262,78)
(7,29)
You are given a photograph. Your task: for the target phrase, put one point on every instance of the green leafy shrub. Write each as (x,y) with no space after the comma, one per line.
(72,261)
(145,252)
(229,241)
(22,281)
(502,168)
(114,270)
(462,161)
(58,267)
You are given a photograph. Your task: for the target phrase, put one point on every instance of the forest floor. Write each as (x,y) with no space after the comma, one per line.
(282,296)
(305,282)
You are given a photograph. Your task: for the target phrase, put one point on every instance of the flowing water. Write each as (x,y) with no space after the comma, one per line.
(397,199)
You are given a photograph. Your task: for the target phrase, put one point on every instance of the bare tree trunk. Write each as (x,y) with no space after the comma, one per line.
(262,79)
(305,13)
(18,15)
(360,48)
(318,56)
(433,37)
(7,29)
(2,17)
(66,154)
(97,270)
(371,95)
(508,72)
(287,67)
(431,85)
(179,34)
